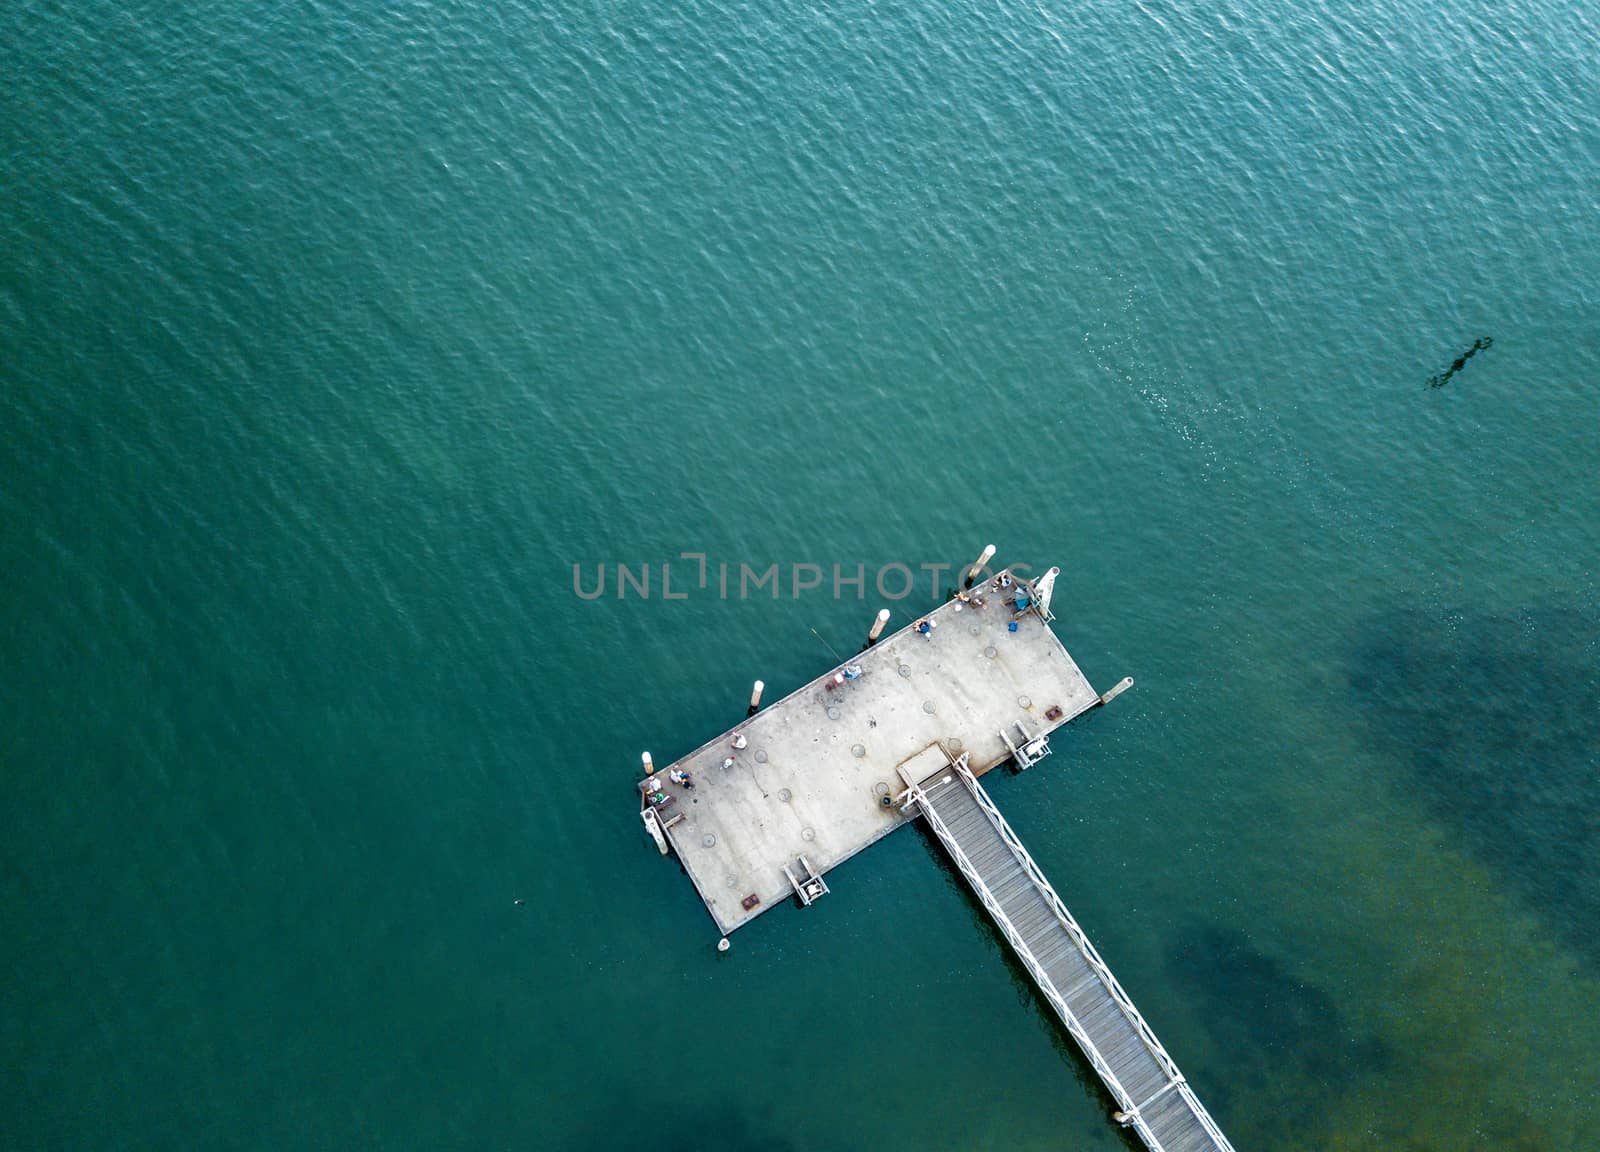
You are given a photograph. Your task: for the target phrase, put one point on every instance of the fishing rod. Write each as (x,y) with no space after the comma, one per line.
(826,645)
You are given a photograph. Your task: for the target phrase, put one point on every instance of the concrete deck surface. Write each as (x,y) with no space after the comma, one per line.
(817,763)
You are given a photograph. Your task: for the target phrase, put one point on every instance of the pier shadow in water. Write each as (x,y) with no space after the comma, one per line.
(1495,719)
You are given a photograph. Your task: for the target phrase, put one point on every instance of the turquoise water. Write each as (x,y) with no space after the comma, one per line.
(332,338)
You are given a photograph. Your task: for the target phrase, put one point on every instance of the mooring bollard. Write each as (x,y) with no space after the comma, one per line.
(988,553)
(877,626)
(755,698)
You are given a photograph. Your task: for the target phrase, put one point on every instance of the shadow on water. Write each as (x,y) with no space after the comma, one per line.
(1496,720)
(1286,1042)
(1028,991)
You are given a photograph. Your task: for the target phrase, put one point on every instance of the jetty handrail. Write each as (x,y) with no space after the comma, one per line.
(1091,955)
(1029,961)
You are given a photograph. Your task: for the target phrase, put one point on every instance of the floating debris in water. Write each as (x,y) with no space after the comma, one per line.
(1443,378)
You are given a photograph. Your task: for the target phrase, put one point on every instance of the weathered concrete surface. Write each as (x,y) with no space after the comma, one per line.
(818,762)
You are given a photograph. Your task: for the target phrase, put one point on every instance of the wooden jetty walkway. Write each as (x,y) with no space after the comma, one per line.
(903,731)
(1151,1093)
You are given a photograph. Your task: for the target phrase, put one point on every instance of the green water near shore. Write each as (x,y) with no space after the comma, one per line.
(333,339)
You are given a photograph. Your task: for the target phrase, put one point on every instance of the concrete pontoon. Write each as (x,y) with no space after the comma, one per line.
(819,770)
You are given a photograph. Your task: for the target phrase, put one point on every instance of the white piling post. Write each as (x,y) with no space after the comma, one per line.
(877,626)
(1121,686)
(755,698)
(649,765)
(988,553)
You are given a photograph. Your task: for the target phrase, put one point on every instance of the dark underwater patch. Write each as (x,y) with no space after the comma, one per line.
(1480,345)
(1283,1039)
(1495,721)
